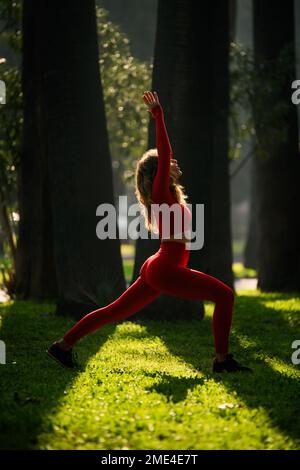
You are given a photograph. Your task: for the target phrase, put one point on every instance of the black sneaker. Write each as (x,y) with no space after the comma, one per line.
(65,358)
(230,365)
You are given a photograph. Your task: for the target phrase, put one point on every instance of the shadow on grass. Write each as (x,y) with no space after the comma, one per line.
(32,384)
(175,389)
(260,334)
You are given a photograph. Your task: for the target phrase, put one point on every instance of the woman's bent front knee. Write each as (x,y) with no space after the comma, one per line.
(226,295)
(230,295)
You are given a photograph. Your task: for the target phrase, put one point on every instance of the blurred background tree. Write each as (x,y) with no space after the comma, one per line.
(10,135)
(137,18)
(124,80)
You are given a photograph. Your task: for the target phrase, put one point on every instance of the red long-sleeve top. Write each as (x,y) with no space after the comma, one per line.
(180,219)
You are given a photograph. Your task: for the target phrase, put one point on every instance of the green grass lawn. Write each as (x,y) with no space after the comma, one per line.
(149,385)
(240,271)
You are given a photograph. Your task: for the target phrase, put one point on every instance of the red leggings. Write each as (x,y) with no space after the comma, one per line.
(165,272)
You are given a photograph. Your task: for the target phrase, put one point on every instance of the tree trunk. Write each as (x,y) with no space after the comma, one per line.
(277,174)
(220,247)
(137,20)
(66,170)
(232,5)
(250,252)
(35,265)
(194,96)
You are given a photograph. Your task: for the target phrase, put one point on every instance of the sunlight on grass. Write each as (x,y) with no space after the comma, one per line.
(148,412)
(240,271)
(149,385)
(245,341)
(128,265)
(127,249)
(282,367)
(285,305)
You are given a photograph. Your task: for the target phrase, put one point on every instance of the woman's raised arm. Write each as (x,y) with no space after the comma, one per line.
(165,153)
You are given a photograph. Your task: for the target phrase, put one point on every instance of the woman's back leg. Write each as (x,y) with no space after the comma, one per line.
(133,299)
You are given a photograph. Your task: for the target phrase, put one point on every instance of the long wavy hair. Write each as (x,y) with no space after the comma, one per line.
(144,175)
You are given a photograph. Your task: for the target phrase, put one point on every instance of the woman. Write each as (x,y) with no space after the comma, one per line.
(166,271)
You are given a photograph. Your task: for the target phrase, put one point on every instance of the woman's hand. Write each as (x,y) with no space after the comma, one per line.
(151,100)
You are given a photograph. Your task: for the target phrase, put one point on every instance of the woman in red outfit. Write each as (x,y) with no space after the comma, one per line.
(166,271)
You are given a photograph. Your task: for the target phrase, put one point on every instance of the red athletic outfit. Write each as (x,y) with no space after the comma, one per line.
(166,271)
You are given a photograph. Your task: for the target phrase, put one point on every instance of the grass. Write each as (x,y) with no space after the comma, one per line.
(148,385)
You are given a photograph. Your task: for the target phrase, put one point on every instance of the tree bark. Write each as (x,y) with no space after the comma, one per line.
(277,175)
(35,266)
(7,228)
(250,252)
(232,5)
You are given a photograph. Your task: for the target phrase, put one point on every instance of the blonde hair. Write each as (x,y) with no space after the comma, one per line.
(144,175)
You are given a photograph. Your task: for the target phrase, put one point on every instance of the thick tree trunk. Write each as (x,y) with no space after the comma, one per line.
(66,168)
(35,266)
(191,76)
(250,252)
(232,5)
(277,175)
(220,246)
